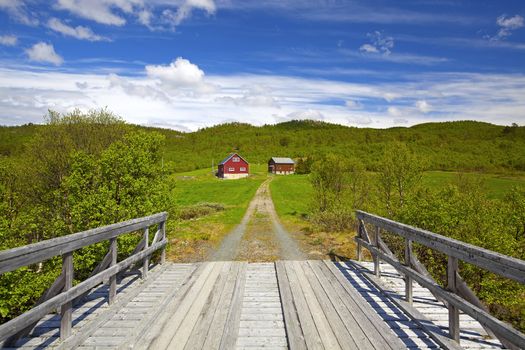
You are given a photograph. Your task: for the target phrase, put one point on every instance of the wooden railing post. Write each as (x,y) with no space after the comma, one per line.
(453,312)
(377,270)
(146,259)
(408,279)
(113,279)
(66,310)
(359,247)
(163,232)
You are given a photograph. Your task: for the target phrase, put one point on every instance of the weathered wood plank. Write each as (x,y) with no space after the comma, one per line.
(231,329)
(511,334)
(293,327)
(498,263)
(332,289)
(205,320)
(330,312)
(43,309)
(367,319)
(66,309)
(33,253)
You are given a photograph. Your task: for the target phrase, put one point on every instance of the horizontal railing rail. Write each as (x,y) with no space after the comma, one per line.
(456,296)
(62,294)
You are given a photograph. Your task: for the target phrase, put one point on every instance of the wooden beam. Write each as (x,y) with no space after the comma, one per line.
(453,311)
(66,309)
(514,336)
(500,264)
(113,279)
(30,254)
(377,261)
(35,314)
(408,279)
(145,263)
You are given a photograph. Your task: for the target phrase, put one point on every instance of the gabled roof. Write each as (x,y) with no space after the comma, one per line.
(230,156)
(280,160)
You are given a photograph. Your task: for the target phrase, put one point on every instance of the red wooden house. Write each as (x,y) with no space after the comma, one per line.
(233,167)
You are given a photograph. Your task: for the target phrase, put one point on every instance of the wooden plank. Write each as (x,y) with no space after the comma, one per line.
(205,320)
(453,311)
(33,253)
(349,318)
(331,313)
(418,319)
(101,320)
(35,314)
(231,329)
(367,317)
(113,279)
(309,329)
(512,335)
(178,308)
(215,334)
(66,308)
(145,263)
(498,263)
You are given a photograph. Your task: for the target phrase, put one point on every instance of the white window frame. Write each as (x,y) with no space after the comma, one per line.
(236,159)
(231,169)
(242,169)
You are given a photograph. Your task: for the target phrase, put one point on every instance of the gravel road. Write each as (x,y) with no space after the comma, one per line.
(260,236)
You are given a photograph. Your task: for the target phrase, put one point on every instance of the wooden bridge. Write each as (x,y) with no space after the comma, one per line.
(384,304)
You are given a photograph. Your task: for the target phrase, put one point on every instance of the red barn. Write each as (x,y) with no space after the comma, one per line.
(233,167)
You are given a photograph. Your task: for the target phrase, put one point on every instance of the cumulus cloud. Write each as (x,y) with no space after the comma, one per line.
(423,106)
(79,32)
(506,26)
(43,52)
(379,43)
(352,104)
(394,111)
(179,73)
(8,40)
(256,95)
(18,11)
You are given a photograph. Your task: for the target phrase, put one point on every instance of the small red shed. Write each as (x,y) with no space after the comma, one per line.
(233,167)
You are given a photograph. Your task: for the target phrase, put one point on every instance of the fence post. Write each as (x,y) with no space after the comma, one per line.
(66,309)
(453,312)
(146,259)
(377,270)
(408,279)
(359,248)
(163,253)
(113,279)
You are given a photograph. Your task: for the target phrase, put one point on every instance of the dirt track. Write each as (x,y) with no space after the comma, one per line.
(260,236)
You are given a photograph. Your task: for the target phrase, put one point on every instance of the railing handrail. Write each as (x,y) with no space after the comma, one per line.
(15,258)
(500,264)
(456,294)
(62,294)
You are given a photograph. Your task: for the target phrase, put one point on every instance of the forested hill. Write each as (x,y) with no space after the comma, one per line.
(462,145)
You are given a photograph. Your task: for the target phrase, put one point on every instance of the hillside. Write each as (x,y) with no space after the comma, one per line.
(462,145)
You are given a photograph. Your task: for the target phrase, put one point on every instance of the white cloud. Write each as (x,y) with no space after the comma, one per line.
(79,32)
(309,114)
(368,48)
(394,111)
(352,104)
(379,43)
(179,73)
(8,40)
(17,11)
(102,11)
(423,106)
(185,10)
(42,52)
(507,26)
(142,99)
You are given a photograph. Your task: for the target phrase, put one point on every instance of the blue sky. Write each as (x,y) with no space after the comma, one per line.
(187,64)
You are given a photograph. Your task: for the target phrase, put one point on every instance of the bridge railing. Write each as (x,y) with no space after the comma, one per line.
(457,295)
(62,294)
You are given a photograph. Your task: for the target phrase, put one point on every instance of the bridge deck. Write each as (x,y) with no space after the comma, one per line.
(239,305)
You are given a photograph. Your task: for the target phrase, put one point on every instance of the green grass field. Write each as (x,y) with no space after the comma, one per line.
(292,194)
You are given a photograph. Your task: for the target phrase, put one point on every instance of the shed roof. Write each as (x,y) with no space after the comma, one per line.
(231,155)
(281,160)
